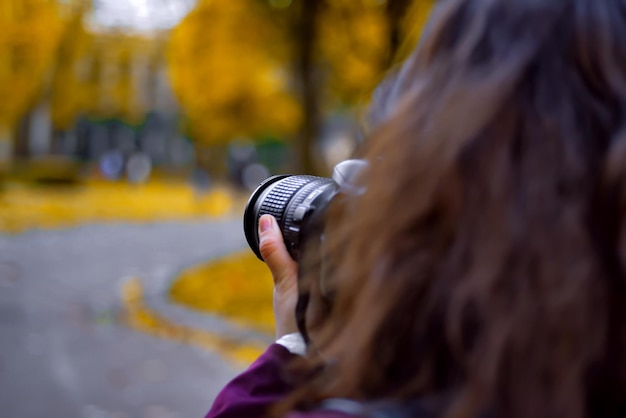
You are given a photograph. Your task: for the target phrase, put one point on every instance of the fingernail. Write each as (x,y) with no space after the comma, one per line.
(265,224)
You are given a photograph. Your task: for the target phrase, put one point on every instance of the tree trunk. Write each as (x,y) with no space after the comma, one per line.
(6,147)
(396,10)
(305,74)
(21,138)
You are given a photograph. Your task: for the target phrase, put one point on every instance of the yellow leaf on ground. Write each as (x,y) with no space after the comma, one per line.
(238,287)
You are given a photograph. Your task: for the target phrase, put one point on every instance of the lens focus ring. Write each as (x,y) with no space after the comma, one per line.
(302,195)
(281,193)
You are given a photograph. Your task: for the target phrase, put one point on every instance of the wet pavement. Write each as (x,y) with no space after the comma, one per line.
(63,352)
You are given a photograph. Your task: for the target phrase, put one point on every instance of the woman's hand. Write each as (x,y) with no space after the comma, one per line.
(284,272)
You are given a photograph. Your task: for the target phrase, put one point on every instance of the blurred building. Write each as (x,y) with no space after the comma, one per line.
(93,81)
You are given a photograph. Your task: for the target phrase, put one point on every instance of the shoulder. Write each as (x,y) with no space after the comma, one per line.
(252,392)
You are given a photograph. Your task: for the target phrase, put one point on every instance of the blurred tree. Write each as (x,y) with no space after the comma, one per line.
(227,68)
(101,75)
(236,66)
(343,49)
(354,46)
(68,86)
(31,31)
(304,29)
(129,60)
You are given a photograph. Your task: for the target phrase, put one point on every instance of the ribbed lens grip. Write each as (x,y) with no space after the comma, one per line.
(302,195)
(275,203)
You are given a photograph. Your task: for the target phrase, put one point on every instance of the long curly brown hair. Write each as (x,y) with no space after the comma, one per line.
(485,262)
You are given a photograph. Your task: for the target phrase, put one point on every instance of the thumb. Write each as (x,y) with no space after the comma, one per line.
(274,252)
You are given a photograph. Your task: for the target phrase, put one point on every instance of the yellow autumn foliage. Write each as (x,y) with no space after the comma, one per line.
(31,31)
(227,68)
(102,74)
(24,207)
(354,45)
(68,96)
(139,316)
(231,63)
(238,287)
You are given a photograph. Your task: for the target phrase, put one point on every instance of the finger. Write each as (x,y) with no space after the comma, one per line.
(273,250)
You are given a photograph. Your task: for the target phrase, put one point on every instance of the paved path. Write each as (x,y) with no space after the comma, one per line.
(61,352)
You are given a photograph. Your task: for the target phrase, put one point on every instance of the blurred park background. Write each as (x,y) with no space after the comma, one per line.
(131,134)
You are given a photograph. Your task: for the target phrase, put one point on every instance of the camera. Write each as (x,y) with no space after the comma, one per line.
(299,203)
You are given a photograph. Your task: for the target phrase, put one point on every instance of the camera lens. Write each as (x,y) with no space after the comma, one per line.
(292,200)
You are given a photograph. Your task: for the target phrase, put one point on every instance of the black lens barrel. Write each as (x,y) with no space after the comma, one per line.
(288,199)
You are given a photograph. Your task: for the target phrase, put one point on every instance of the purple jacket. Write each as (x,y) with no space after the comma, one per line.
(253,391)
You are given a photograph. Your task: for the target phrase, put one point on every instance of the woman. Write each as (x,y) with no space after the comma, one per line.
(482,273)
